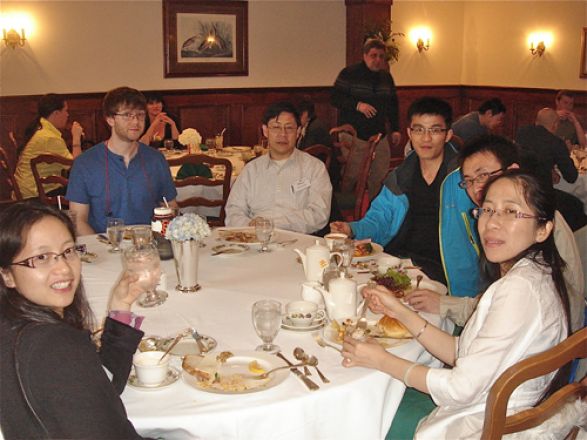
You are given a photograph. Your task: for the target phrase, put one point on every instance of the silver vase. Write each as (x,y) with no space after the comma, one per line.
(185,256)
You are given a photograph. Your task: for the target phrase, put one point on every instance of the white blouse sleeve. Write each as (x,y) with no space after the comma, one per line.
(512,322)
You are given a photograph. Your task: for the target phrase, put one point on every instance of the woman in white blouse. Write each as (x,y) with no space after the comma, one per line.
(525,311)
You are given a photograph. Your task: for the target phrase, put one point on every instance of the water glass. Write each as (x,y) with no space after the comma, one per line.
(219,141)
(115,231)
(210,143)
(168,144)
(267,321)
(263,230)
(145,263)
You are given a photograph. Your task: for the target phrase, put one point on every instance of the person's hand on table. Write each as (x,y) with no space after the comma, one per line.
(424,300)
(341,227)
(366,109)
(369,353)
(125,292)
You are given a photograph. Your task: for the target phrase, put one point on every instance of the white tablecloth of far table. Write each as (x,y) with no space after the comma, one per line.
(358,403)
(578,188)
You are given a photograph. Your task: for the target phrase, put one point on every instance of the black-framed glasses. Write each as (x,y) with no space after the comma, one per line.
(49,259)
(128,116)
(481,178)
(507,214)
(433,131)
(288,129)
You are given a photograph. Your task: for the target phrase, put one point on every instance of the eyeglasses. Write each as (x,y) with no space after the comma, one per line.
(434,131)
(481,178)
(289,129)
(49,259)
(140,116)
(507,214)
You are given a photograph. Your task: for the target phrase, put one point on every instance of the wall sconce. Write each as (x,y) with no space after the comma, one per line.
(12,38)
(538,42)
(10,24)
(421,37)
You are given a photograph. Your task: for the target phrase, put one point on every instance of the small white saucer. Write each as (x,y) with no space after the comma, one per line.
(172,376)
(286,324)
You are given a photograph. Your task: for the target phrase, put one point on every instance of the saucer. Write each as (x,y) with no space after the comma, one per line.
(286,324)
(172,376)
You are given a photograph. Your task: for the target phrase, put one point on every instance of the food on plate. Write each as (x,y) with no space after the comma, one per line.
(396,281)
(189,365)
(256,368)
(363,250)
(238,236)
(392,328)
(223,356)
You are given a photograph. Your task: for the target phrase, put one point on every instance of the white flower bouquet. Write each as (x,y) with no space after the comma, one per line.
(190,136)
(187,227)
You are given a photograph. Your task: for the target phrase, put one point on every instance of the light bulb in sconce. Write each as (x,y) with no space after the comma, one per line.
(421,37)
(538,42)
(15,29)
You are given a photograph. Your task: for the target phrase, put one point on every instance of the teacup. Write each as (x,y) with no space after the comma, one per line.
(309,293)
(334,239)
(149,371)
(387,262)
(303,313)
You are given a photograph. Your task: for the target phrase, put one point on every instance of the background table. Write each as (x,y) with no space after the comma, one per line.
(358,403)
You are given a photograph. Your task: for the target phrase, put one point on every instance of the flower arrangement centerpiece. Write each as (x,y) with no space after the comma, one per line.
(192,139)
(383,32)
(184,233)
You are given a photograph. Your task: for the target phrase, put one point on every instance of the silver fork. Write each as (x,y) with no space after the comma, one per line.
(198,338)
(322,343)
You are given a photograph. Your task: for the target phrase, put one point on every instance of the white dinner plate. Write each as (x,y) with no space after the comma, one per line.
(238,364)
(376,252)
(170,379)
(237,149)
(229,249)
(241,235)
(286,324)
(330,333)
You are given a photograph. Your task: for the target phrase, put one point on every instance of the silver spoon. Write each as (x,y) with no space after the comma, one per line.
(418,281)
(300,355)
(310,360)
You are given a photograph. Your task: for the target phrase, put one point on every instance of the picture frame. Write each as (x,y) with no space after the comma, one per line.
(583,71)
(205,38)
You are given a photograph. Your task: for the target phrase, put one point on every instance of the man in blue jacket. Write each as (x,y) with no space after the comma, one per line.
(421,212)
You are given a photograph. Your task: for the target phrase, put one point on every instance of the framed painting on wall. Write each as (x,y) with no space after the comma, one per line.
(583,73)
(205,38)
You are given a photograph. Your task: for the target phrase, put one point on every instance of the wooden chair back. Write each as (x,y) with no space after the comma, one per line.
(321,152)
(201,159)
(361,193)
(10,190)
(497,424)
(41,181)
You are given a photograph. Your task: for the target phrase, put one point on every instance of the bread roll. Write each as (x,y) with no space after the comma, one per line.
(392,328)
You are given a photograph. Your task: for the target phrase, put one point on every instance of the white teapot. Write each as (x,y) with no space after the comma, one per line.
(315,260)
(341,298)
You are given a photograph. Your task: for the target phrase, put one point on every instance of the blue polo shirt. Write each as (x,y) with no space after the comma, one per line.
(99,178)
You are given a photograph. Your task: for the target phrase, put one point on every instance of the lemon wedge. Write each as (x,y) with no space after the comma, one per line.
(255,368)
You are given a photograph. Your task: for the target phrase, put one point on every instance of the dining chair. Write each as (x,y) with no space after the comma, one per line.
(37,164)
(497,424)
(224,183)
(457,142)
(10,189)
(354,205)
(321,152)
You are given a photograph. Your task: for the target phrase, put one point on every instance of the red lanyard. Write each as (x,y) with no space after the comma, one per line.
(108,210)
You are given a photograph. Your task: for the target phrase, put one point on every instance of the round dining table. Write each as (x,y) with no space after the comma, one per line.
(358,403)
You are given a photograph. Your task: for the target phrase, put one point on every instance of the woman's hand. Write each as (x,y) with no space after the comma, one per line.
(424,300)
(341,227)
(125,292)
(381,300)
(369,353)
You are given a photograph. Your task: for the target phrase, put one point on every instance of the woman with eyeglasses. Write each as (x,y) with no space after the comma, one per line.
(523,312)
(56,383)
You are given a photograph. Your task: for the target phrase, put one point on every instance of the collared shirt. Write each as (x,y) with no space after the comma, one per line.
(296,195)
(129,193)
(468,127)
(47,140)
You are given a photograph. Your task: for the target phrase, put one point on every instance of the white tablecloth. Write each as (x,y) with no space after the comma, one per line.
(357,404)
(578,189)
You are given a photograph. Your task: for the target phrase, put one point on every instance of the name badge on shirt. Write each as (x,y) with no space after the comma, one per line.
(300,185)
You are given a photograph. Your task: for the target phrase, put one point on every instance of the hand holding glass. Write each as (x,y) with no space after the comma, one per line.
(267,321)
(115,230)
(145,263)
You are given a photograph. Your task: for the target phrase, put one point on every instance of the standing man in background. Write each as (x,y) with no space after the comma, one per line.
(366,97)
(569,128)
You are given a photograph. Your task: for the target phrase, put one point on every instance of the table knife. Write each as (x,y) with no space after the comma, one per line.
(312,386)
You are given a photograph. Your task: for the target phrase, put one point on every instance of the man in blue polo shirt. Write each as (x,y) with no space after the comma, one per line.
(119,177)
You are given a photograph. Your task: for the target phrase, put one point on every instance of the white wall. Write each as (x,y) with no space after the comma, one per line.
(92,46)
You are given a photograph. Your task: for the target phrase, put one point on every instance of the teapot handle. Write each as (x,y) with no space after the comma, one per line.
(337,260)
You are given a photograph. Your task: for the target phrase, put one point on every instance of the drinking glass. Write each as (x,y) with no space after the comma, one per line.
(168,144)
(210,143)
(347,249)
(115,230)
(267,321)
(219,141)
(141,236)
(263,230)
(144,261)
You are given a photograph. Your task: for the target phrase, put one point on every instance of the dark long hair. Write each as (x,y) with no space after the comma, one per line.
(46,105)
(15,224)
(541,200)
